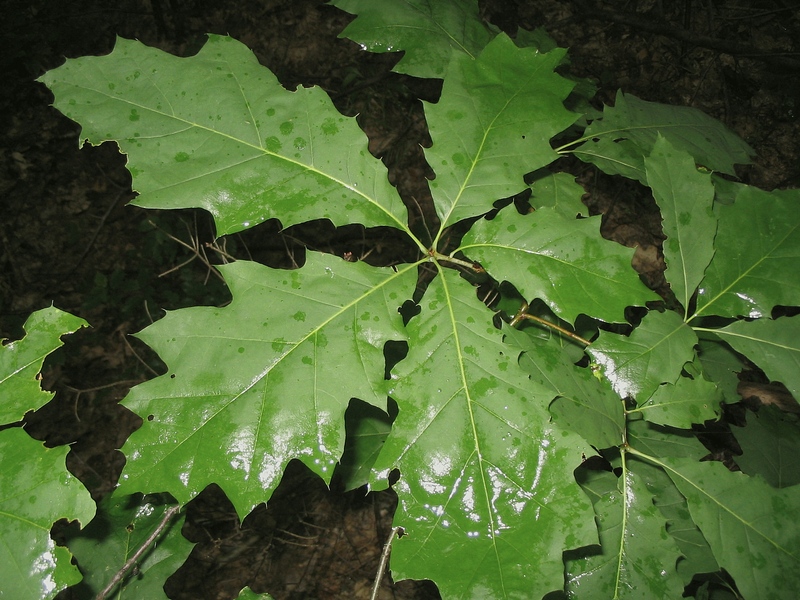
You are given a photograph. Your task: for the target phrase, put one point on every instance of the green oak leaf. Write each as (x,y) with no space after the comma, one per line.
(656,440)
(637,558)
(35,488)
(770,446)
(696,555)
(261,381)
(750,526)
(247,594)
(564,262)
(367,427)
(654,353)
(680,404)
(685,197)
(493,123)
(627,132)
(757,255)
(35,491)
(721,364)
(614,156)
(774,346)
(247,152)
(537,38)
(585,404)
(486,491)
(561,191)
(428,33)
(21,361)
(120,528)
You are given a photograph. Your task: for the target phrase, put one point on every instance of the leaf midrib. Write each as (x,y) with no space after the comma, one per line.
(259,149)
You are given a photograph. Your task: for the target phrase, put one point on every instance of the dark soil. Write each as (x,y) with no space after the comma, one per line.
(68,237)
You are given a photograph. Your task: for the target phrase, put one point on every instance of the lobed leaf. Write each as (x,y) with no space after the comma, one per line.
(565,263)
(427,33)
(680,404)
(654,353)
(637,558)
(21,361)
(627,132)
(774,346)
(685,197)
(560,191)
(585,404)
(248,152)
(656,440)
(749,525)
(696,555)
(757,255)
(614,156)
(493,123)
(247,594)
(486,491)
(720,363)
(770,446)
(36,490)
(261,381)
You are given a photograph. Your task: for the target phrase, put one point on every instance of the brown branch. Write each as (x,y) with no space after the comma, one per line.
(171,512)
(523,314)
(387,549)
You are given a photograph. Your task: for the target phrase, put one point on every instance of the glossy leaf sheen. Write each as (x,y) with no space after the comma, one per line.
(682,403)
(35,488)
(248,594)
(567,264)
(584,404)
(35,491)
(261,381)
(745,523)
(758,255)
(493,123)
(21,361)
(486,491)
(249,152)
(636,550)
(491,423)
(773,345)
(121,526)
(427,32)
(653,354)
(685,197)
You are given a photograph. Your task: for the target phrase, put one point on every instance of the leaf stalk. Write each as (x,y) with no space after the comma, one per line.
(523,314)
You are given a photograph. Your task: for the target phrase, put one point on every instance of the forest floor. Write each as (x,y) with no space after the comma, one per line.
(67,236)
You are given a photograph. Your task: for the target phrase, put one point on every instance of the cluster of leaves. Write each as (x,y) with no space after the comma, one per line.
(502,416)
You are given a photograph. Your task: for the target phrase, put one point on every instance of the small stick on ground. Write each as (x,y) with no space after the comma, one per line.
(387,550)
(171,512)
